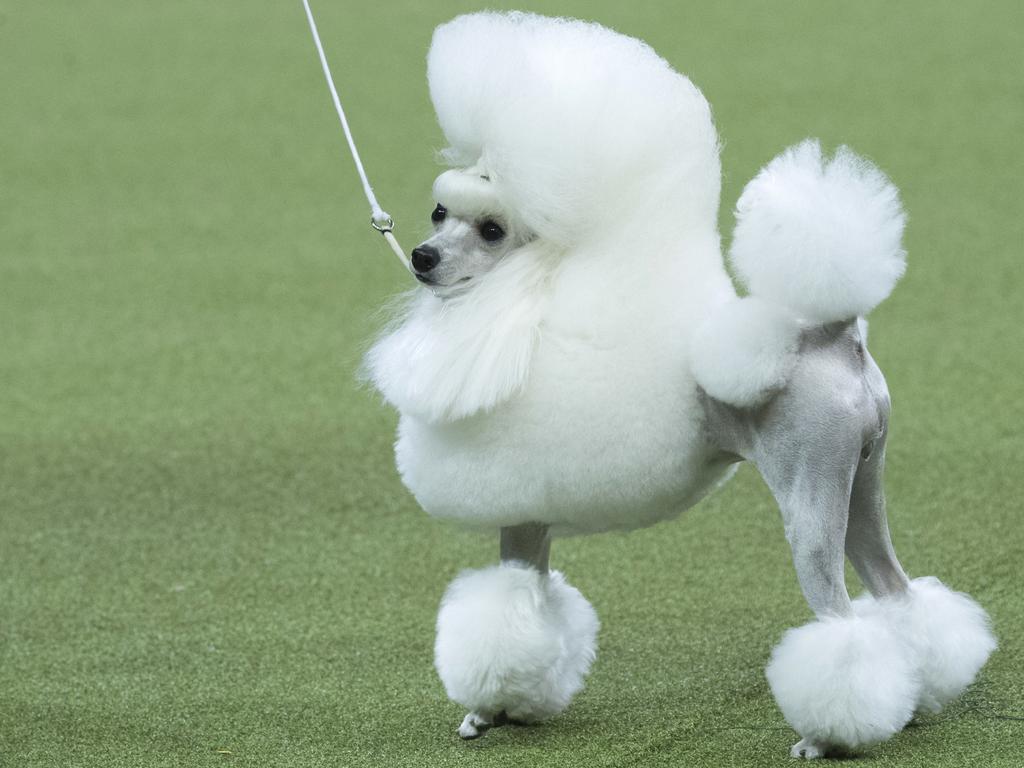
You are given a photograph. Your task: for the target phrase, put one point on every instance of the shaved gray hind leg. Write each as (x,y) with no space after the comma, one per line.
(819,443)
(868,544)
(813,484)
(528,543)
(814,501)
(807,442)
(948,631)
(813,492)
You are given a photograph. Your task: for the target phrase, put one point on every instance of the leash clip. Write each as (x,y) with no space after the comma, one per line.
(382,222)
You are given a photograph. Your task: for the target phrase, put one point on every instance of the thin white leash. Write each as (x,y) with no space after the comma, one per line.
(379,218)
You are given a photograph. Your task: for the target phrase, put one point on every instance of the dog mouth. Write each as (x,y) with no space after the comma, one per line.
(435,284)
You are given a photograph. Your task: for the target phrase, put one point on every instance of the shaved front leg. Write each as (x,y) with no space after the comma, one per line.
(528,543)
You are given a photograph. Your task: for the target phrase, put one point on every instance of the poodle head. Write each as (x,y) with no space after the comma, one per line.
(570,121)
(472,233)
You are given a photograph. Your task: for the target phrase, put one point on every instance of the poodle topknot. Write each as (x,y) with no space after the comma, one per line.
(575,125)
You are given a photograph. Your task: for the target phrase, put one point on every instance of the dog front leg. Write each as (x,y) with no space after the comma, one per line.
(529,543)
(514,641)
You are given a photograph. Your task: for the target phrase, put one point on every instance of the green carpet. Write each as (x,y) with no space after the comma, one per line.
(206,556)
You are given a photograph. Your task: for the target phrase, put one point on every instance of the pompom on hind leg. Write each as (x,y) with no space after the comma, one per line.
(948,632)
(857,675)
(846,680)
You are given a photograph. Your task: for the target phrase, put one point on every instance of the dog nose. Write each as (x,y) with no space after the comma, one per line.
(425,258)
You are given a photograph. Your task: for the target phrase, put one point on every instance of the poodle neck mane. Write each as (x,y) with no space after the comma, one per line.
(447,359)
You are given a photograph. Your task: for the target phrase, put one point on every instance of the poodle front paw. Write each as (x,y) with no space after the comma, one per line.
(808,749)
(474,725)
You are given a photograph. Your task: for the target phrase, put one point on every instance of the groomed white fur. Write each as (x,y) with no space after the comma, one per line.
(745,351)
(846,682)
(820,236)
(512,639)
(948,632)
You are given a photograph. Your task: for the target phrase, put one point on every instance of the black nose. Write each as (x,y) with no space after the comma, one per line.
(425,258)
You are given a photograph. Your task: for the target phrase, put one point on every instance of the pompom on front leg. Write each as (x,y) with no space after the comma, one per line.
(513,640)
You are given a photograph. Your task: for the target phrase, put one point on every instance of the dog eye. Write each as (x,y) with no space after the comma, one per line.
(439,213)
(491,231)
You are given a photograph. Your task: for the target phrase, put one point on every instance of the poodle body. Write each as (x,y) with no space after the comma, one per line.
(607,432)
(579,361)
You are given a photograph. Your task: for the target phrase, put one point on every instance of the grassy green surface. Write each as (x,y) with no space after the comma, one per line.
(206,557)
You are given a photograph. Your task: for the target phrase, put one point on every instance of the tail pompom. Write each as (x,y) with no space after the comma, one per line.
(820,236)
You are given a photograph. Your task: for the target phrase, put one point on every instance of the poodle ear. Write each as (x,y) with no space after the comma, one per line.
(449,359)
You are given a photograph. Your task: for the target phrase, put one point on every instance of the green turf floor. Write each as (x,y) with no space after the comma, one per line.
(206,557)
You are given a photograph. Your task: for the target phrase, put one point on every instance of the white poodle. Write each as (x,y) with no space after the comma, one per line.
(578,361)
